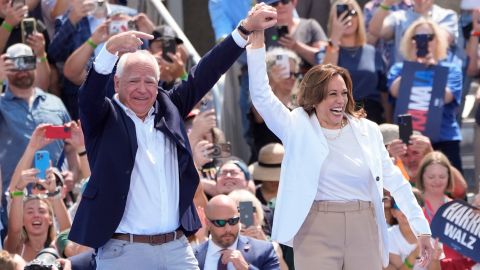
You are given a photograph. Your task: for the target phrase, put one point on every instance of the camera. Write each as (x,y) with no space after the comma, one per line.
(22,63)
(221,150)
(45,260)
(119,26)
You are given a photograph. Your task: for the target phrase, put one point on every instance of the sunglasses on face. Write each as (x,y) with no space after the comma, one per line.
(233,173)
(222,222)
(284,2)
(419,37)
(294,75)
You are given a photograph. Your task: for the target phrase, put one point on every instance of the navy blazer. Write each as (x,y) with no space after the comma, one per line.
(258,254)
(111,145)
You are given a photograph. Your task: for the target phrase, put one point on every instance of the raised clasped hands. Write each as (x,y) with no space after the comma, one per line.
(260,17)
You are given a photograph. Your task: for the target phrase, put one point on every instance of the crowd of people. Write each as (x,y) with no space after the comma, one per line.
(112,157)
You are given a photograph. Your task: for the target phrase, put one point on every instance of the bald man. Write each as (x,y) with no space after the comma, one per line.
(226,249)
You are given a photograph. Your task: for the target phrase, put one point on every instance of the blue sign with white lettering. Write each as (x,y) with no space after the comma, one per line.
(421,94)
(457,225)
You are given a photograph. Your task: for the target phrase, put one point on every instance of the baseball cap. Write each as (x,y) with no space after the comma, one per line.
(19,49)
(165,31)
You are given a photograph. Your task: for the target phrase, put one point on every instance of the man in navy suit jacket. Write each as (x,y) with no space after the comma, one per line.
(138,205)
(226,246)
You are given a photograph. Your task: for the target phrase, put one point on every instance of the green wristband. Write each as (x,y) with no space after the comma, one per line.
(91,43)
(407,263)
(7,26)
(184,76)
(385,7)
(42,59)
(17,193)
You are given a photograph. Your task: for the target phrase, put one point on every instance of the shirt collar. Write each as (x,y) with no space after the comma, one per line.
(128,111)
(214,248)
(37,93)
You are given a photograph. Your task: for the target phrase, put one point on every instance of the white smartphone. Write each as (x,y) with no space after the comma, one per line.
(283,61)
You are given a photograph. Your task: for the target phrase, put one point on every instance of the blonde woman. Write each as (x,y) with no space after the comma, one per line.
(436,51)
(348,48)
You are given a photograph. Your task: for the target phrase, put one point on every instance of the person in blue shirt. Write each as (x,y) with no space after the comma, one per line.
(449,138)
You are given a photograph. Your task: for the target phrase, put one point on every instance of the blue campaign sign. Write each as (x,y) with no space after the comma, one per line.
(457,225)
(421,94)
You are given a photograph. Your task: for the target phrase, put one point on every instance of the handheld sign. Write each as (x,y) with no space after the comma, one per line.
(457,225)
(421,94)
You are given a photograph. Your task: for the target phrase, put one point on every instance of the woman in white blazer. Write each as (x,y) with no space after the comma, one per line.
(329,205)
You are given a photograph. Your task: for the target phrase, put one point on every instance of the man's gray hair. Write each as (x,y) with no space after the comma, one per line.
(138,54)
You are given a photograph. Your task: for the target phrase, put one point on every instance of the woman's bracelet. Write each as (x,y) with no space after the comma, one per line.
(91,43)
(407,263)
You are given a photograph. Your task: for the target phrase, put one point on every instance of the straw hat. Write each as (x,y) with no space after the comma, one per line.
(389,132)
(269,163)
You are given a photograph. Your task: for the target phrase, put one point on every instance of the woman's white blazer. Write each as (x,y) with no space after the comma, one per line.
(305,150)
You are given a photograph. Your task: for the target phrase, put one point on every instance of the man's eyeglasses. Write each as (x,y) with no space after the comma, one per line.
(284,2)
(419,37)
(233,173)
(222,222)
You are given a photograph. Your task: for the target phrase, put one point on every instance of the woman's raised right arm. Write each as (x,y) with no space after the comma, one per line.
(276,115)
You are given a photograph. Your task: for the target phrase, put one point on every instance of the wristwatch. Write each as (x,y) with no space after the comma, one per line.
(56,192)
(243,30)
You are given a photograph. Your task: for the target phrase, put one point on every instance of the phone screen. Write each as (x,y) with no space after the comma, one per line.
(246,213)
(28,28)
(42,163)
(405,127)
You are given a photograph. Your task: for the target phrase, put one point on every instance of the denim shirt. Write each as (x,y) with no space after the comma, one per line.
(17,123)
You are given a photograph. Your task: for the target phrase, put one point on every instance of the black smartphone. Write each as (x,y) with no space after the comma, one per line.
(29,26)
(282,30)
(168,46)
(341,8)
(421,41)
(246,213)
(405,127)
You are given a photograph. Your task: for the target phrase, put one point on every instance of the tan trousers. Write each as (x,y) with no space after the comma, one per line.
(338,236)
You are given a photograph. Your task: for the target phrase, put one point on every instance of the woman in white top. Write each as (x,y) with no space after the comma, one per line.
(333,172)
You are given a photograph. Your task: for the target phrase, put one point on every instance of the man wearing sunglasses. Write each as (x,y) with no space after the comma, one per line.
(226,249)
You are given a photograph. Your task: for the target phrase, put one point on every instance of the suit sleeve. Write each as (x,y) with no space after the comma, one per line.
(204,75)
(270,261)
(92,102)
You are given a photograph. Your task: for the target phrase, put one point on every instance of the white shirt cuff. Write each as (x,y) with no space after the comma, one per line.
(241,42)
(105,61)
